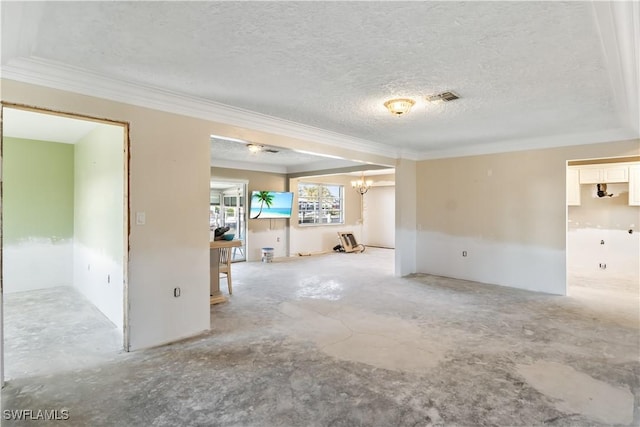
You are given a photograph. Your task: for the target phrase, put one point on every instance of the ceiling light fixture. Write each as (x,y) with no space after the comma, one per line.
(255,148)
(361,186)
(399,106)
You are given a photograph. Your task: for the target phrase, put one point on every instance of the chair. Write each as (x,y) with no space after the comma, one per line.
(239,249)
(225,266)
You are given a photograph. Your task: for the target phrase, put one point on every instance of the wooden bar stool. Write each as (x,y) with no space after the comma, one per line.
(225,266)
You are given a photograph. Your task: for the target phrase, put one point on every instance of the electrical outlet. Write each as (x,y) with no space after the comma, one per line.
(464,253)
(278,239)
(176,292)
(108,278)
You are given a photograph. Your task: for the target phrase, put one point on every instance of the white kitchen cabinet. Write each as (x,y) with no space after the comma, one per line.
(590,175)
(573,186)
(616,174)
(634,185)
(604,174)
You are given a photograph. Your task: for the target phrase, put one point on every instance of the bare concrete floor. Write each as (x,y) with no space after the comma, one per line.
(52,330)
(336,340)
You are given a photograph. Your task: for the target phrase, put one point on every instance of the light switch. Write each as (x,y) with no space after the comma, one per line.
(141,218)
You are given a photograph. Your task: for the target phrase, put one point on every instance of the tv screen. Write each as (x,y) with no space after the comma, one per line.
(270,204)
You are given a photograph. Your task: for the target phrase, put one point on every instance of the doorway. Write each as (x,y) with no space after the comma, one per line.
(603,245)
(227,208)
(378,227)
(64,205)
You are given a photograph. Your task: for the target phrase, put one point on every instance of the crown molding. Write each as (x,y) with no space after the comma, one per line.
(618,24)
(249,166)
(57,76)
(54,75)
(534,144)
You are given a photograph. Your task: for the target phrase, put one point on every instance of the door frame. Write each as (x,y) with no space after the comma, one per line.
(126,207)
(245,223)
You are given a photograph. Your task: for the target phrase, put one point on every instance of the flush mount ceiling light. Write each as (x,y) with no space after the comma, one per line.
(258,148)
(399,106)
(255,148)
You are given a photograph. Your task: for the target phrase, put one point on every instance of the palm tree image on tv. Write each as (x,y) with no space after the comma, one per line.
(265,198)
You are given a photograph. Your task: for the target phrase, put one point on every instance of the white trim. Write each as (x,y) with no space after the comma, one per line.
(58,76)
(532,144)
(258,167)
(618,25)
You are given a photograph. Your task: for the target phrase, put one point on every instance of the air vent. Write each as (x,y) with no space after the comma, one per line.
(270,150)
(443,97)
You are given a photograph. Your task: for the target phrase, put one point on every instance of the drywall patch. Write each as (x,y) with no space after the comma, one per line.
(37,263)
(491,261)
(576,392)
(350,334)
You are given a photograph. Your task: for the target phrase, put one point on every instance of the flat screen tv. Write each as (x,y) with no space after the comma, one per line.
(270,204)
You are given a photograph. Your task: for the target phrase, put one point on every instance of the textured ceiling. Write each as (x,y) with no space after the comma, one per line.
(524,70)
(225,153)
(44,127)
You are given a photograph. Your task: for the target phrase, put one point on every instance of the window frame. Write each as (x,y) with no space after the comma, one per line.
(319,209)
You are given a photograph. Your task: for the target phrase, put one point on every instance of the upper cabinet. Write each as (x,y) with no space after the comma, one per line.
(634,185)
(604,174)
(607,173)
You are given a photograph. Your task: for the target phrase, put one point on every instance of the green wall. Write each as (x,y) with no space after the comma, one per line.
(38,190)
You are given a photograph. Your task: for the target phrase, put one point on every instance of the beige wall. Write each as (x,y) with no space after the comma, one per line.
(261,232)
(508,211)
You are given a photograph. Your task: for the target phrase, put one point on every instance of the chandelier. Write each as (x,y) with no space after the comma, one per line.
(361,186)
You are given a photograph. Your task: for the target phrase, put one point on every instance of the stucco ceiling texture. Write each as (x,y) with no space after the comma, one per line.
(523,70)
(269,155)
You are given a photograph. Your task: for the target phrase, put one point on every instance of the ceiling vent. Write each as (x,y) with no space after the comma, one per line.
(443,97)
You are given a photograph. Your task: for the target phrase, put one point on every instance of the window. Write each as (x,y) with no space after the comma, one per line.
(320,204)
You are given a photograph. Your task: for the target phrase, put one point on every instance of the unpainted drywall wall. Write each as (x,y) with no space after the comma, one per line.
(37,214)
(506,212)
(603,242)
(99,227)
